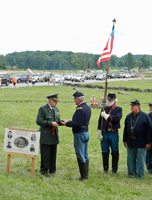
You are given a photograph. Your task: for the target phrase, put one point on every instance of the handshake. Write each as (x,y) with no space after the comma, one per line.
(63,122)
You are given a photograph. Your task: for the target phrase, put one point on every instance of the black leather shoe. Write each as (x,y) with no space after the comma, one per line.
(46,174)
(113,173)
(52,172)
(105,172)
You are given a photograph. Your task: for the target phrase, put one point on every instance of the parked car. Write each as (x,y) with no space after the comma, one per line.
(39,77)
(134,75)
(59,78)
(104,75)
(127,75)
(119,75)
(69,76)
(89,76)
(4,78)
(78,78)
(123,75)
(109,75)
(113,75)
(95,74)
(100,77)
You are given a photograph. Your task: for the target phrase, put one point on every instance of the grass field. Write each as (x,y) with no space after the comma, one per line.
(19,107)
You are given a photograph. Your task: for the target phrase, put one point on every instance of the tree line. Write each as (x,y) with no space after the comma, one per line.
(67,60)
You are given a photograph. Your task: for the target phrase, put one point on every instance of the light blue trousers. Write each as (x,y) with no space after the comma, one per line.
(81,145)
(135,162)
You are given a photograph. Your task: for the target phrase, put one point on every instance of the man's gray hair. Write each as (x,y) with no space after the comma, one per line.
(82,98)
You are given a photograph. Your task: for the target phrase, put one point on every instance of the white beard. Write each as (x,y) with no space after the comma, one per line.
(110,103)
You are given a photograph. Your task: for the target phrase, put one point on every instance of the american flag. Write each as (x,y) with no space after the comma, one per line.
(106,54)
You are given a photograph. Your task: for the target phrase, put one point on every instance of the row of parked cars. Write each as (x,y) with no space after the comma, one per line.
(122,75)
(41,77)
(97,76)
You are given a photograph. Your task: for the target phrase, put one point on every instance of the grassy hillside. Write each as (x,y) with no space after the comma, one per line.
(19,107)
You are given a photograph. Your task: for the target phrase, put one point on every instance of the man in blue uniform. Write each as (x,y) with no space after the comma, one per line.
(136,138)
(48,118)
(109,137)
(79,124)
(149,152)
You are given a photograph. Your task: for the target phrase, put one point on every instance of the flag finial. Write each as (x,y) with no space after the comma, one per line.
(114,21)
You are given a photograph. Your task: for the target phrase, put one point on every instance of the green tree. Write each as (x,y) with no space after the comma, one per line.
(139,64)
(130,61)
(3,65)
(80,60)
(145,61)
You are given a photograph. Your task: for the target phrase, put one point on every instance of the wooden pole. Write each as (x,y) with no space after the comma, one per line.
(105,94)
(105,91)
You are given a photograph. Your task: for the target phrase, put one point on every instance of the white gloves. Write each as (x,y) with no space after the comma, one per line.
(99,135)
(104,115)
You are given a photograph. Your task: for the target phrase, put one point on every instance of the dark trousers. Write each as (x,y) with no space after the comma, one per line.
(149,161)
(48,157)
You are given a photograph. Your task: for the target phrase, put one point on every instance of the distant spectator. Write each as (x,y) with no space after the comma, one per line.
(14,81)
(33,80)
(48,80)
(27,79)
(53,80)
(101,100)
(92,101)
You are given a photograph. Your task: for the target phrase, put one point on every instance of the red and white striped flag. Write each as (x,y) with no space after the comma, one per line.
(106,54)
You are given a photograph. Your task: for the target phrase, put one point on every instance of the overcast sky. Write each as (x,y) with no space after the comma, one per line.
(75,25)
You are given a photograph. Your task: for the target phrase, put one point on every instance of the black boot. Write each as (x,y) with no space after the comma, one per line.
(115,158)
(82,169)
(87,168)
(80,166)
(105,158)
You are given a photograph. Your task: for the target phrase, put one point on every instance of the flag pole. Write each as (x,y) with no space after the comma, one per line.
(105,91)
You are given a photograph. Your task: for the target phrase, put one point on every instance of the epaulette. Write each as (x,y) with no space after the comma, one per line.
(79,108)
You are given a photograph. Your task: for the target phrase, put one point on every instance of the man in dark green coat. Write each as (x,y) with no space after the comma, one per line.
(48,119)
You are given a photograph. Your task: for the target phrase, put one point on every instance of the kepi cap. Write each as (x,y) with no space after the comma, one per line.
(111,96)
(53,97)
(78,94)
(135,102)
(150,104)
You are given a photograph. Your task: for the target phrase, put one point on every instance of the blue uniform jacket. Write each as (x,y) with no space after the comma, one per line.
(142,130)
(113,120)
(80,120)
(150,115)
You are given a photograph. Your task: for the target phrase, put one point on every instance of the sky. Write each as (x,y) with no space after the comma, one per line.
(75,25)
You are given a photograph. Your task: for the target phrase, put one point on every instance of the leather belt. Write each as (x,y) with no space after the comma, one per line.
(83,126)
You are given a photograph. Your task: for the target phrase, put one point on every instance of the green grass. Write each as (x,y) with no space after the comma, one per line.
(141,83)
(19,107)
